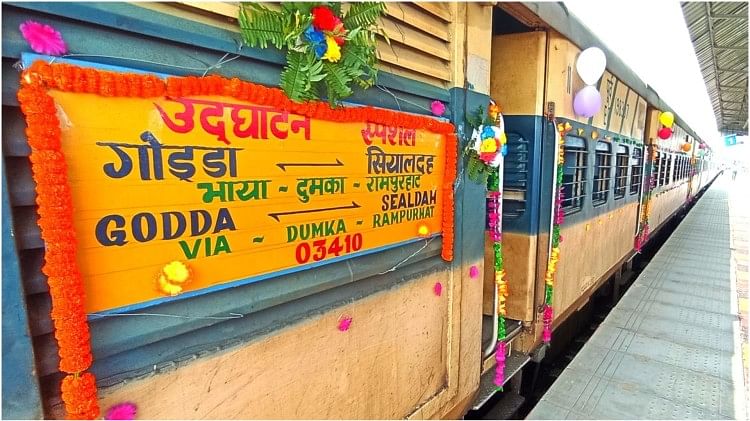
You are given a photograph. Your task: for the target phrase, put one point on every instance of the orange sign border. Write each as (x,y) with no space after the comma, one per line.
(54,194)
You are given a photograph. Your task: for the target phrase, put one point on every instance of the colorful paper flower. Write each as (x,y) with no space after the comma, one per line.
(333,51)
(324,19)
(437,108)
(43,39)
(314,36)
(488,132)
(318,41)
(488,146)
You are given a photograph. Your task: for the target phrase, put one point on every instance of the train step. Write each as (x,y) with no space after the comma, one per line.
(506,409)
(513,364)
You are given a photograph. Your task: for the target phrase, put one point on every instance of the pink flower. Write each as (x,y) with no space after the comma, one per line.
(43,39)
(473,272)
(437,108)
(122,411)
(345,323)
(438,289)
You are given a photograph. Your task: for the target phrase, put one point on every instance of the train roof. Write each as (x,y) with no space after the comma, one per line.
(557,16)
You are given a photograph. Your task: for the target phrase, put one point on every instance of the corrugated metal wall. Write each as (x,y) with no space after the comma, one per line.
(419,34)
(138,36)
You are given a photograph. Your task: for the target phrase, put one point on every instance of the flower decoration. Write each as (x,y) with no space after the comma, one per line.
(173,275)
(318,41)
(324,19)
(438,289)
(494,218)
(333,51)
(43,39)
(437,108)
(488,142)
(642,236)
(121,411)
(559,217)
(327,52)
(345,323)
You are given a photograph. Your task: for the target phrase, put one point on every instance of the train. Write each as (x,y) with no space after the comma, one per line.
(386,332)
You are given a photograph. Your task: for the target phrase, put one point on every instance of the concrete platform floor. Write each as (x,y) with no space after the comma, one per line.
(672,347)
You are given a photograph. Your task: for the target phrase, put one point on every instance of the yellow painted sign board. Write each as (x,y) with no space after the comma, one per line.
(236,190)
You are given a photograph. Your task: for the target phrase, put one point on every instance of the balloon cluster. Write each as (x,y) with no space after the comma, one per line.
(590,66)
(667,120)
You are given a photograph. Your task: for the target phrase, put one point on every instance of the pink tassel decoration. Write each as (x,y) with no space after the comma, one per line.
(547,319)
(121,411)
(43,39)
(438,289)
(500,364)
(345,323)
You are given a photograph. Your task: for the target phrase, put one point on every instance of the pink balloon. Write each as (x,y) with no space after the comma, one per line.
(587,101)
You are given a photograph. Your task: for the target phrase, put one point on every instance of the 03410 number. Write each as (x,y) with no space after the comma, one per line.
(328,247)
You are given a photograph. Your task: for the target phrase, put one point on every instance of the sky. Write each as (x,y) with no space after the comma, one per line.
(653,39)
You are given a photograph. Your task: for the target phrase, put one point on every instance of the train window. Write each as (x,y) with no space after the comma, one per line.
(656,168)
(683,168)
(621,171)
(602,173)
(663,168)
(515,175)
(574,174)
(668,172)
(636,171)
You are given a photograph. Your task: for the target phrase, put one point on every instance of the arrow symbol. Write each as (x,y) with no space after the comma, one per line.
(277,214)
(311,164)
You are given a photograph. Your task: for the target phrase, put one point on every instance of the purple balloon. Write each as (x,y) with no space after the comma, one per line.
(587,101)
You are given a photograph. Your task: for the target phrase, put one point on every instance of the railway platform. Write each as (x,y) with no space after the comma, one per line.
(672,348)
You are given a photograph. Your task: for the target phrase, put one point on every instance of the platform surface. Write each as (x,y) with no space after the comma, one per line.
(670,349)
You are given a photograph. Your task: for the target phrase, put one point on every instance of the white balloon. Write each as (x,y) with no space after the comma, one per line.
(591,64)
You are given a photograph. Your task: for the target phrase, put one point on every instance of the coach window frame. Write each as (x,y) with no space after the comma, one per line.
(636,170)
(576,148)
(602,180)
(621,181)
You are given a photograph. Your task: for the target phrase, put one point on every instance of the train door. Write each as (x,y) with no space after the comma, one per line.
(517,86)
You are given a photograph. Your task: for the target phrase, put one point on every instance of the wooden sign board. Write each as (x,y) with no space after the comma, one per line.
(238,191)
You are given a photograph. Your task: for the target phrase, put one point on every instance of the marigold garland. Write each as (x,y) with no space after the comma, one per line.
(649,185)
(56,224)
(494,210)
(559,217)
(55,201)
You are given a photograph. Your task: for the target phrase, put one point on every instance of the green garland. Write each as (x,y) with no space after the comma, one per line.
(325,54)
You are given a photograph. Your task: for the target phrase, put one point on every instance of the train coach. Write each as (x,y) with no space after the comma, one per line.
(319,288)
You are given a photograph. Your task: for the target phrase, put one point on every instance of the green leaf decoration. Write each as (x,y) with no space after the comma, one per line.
(306,76)
(337,82)
(363,14)
(295,79)
(475,119)
(261,26)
